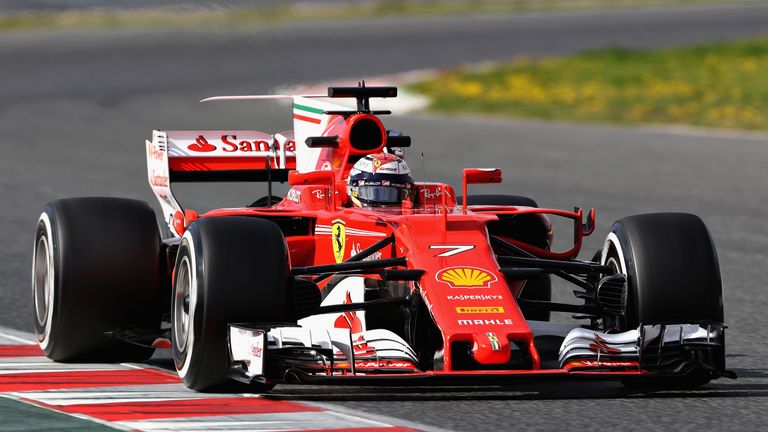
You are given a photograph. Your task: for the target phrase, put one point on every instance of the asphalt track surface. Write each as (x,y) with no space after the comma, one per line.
(75,109)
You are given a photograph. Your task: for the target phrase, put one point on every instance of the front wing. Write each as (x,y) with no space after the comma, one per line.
(290,353)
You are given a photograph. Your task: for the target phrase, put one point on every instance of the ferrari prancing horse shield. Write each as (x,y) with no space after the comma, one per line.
(339,240)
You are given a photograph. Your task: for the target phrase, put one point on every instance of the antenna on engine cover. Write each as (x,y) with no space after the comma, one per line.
(423,166)
(363,104)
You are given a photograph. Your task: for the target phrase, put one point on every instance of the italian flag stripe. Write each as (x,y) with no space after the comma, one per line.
(306,119)
(307,109)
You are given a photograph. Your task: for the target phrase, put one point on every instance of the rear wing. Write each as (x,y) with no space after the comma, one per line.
(191,156)
(314,115)
(188,156)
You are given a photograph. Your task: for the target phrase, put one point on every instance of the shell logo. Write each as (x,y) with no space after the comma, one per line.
(466,277)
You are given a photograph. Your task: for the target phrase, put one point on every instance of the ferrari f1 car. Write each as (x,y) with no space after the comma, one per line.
(308,289)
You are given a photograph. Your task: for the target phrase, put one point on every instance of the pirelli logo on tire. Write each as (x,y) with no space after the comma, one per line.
(479,309)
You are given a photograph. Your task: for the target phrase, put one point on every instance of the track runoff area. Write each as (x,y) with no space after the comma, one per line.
(38,394)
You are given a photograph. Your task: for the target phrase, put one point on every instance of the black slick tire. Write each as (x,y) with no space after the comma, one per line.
(232,270)
(96,269)
(673,276)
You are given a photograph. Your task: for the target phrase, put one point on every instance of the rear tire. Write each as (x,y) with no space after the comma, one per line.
(232,269)
(96,268)
(673,275)
(537,289)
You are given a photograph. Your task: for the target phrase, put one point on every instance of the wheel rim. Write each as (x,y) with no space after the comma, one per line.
(183,317)
(43,281)
(615,265)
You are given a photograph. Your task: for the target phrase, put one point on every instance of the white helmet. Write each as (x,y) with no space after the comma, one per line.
(380,179)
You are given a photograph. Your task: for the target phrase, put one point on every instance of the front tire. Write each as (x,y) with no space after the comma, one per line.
(96,268)
(673,275)
(228,270)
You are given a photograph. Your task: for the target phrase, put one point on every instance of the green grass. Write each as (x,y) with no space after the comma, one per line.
(718,85)
(245,17)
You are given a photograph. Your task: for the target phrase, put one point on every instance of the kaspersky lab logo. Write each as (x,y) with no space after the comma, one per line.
(466,277)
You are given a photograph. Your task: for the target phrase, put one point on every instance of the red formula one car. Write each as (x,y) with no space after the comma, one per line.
(360,275)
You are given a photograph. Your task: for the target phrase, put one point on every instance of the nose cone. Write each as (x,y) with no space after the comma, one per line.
(489,348)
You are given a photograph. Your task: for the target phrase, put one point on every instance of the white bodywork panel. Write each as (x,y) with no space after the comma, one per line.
(220,143)
(159,176)
(309,121)
(358,348)
(367,349)
(248,346)
(581,343)
(349,290)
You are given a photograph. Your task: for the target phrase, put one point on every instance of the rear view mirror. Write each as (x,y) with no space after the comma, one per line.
(478,176)
(482,175)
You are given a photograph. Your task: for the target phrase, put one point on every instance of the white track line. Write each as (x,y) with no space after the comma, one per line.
(56,370)
(361,415)
(358,418)
(340,412)
(6,335)
(294,421)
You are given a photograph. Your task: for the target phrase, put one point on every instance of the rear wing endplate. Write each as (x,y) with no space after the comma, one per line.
(214,156)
